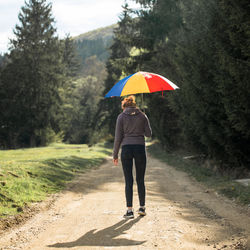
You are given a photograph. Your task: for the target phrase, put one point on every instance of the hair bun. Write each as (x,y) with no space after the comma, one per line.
(129,101)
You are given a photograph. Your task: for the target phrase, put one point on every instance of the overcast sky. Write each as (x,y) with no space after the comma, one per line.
(72,17)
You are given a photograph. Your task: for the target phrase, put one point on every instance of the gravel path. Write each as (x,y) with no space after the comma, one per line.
(181,214)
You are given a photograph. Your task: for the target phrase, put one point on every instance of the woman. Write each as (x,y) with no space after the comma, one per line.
(131,127)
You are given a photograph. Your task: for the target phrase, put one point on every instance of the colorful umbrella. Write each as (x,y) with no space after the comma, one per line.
(141,82)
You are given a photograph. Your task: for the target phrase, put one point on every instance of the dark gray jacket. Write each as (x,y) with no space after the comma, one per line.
(131,127)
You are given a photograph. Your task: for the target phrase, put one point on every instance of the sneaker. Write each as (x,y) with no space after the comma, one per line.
(141,211)
(129,215)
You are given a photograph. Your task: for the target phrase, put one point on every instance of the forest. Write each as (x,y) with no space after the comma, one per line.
(52,89)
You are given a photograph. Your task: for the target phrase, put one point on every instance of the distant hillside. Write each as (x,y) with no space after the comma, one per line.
(95,43)
(105,33)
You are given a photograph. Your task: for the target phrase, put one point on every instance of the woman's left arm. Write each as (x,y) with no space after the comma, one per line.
(118,137)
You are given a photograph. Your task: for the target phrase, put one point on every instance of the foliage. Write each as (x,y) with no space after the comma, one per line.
(32,78)
(86,97)
(81,107)
(117,67)
(1,60)
(93,44)
(213,78)
(106,33)
(70,57)
(204,48)
(87,48)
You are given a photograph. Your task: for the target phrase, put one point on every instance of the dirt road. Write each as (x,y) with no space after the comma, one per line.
(181,214)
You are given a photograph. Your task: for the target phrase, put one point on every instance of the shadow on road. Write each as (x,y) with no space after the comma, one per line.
(104,237)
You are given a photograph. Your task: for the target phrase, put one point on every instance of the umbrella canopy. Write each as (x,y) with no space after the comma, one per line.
(141,82)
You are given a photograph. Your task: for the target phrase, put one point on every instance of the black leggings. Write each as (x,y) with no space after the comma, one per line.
(137,152)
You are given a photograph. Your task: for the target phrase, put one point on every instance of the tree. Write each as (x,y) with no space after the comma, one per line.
(154,27)
(118,65)
(82,104)
(204,47)
(232,60)
(33,76)
(70,57)
(211,60)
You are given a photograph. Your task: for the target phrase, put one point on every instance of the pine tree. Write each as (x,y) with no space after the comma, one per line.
(203,46)
(157,22)
(232,60)
(118,65)
(70,57)
(4,100)
(34,75)
(212,63)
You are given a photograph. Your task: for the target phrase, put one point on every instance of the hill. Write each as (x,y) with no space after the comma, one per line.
(92,49)
(95,43)
(105,33)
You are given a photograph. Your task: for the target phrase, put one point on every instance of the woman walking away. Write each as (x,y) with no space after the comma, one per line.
(131,127)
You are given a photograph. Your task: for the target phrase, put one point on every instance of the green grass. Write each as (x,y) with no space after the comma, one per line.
(30,175)
(223,184)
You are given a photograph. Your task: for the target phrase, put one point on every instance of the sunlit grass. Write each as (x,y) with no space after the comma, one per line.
(29,175)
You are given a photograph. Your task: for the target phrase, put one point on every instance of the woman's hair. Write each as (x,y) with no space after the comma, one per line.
(129,102)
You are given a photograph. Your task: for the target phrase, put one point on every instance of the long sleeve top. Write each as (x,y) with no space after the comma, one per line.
(132,126)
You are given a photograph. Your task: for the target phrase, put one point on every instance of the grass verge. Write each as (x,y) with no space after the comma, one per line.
(29,175)
(222,184)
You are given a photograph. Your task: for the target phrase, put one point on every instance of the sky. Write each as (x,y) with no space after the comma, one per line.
(72,17)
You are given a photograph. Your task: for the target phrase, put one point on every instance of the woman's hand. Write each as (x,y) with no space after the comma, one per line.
(115,161)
